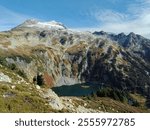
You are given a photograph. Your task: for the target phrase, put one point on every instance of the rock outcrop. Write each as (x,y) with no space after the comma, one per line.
(4,78)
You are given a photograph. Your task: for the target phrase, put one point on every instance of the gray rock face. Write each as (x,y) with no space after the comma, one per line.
(54,101)
(65,57)
(66,81)
(134,43)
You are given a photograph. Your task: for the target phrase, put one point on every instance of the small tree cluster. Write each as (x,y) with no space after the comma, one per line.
(38,79)
(118,95)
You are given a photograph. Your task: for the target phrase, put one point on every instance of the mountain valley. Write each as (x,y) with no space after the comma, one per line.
(46,67)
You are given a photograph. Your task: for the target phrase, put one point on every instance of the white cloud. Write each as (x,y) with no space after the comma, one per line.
(137,19)
(109,16)
(9,18)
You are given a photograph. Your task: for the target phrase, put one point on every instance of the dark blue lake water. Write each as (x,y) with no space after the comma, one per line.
(85,89)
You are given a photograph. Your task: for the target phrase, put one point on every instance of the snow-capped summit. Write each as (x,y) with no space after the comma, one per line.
(29,22)
(45,25)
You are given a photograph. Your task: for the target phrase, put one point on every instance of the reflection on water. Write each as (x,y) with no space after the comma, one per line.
(76,90)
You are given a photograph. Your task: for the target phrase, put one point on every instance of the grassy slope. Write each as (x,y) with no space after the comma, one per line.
(109,105)
(26,98)
(23,98)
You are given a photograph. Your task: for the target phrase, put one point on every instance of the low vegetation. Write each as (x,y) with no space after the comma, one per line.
(21,99)
(117,94)
(106,104)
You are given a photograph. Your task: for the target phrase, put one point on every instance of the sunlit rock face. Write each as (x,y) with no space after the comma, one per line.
(66,57)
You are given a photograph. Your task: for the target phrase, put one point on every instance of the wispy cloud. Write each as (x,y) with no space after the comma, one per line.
(9,18)
(108,16)
(136,19)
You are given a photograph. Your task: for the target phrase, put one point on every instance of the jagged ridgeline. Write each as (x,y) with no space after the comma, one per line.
(50,55)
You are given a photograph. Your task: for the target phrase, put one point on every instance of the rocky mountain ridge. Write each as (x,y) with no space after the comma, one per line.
(68,57)
(59,56)
(133,42)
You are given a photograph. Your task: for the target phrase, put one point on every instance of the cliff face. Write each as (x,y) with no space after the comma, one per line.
(65,57)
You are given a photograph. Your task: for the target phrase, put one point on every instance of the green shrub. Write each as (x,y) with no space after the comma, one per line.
(136,103)
(22,73)
(12,66)
(3,61)
(118,95)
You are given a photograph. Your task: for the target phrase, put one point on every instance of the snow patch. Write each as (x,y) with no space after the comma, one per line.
(47,25)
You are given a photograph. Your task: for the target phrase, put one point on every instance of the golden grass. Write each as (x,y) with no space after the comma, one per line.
(76,48)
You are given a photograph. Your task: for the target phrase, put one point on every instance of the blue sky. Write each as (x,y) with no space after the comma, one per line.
(108,15)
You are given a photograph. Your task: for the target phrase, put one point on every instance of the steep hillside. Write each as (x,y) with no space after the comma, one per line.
(134,43)
(50,55)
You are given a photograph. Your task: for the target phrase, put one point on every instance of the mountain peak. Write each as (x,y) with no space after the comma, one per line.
(46,25)
(121,34)
(30,21)
(100,33)
(131,34)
